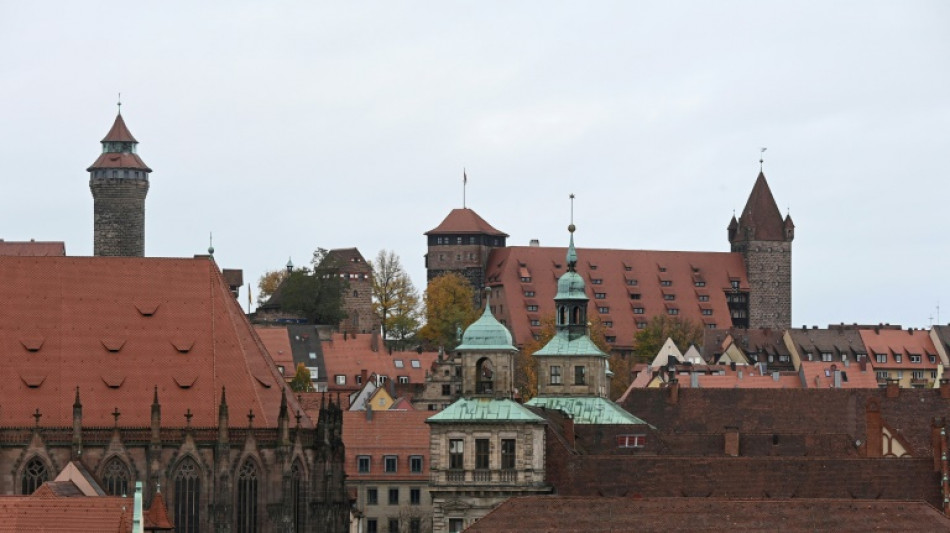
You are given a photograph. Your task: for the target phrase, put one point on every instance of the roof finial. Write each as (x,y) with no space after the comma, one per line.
(571,252)
(761,157)
(211,244)
(119,103)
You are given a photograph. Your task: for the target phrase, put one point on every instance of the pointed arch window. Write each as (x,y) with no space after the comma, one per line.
(247,516)
(298,495)
(34,474)
(187,497)
(116,477)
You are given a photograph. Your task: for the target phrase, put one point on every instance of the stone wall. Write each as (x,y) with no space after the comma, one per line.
(119,216)
(769,271)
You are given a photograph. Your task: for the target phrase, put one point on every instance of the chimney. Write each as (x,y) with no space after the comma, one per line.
(837,375)
(673,392)
(945,388)
(875,428)
(732,441)
(693,380)
(535,243)
(893,388)
(863,364)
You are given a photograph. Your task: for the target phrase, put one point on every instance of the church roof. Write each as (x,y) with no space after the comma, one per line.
(465,221)
(486,333)
(117,327)
(587,409)
(119,132)
(761,219)
(484,410)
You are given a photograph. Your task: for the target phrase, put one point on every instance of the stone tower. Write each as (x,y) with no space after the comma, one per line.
(765,241)
(119,182)
(462,244)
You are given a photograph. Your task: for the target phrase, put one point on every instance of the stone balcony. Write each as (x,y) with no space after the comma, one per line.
(483,477)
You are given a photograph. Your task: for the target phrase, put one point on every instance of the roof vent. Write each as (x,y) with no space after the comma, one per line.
(185,378)
(113,380)
(147,307)
(33,381)
(183,344)
(535,243)
(32,344)
(113,344)
(263,380)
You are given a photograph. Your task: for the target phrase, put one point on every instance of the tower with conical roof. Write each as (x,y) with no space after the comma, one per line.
(119,182)
(764,239)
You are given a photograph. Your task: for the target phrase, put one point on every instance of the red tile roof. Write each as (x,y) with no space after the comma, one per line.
(461,221)
(156,517)
(900,341)
(50,514)
(819,375)
(400,433)
(751,379)
(277,342)
(351,356)
(599,514)
(32,248)
(761,216)
(119,132)
(119,160)
(348,260)
(617,274)
(117,327)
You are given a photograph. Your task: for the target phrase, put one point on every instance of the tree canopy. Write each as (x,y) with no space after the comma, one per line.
(301,381)
(648,341)
(449,309)
(268,283)
(395,298)
(316,294)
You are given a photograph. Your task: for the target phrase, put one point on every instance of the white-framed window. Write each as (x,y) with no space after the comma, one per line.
(403,379)
(898,358)
(415,363)
(340,379)
(555,375)
(914,358)
(399,363)
(631,441)
(881,375)
(918,374)
(880,357)
(826,357)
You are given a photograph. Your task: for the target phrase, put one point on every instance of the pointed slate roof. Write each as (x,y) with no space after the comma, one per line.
(119,132)
(156,517)
(761,219)
(465,221)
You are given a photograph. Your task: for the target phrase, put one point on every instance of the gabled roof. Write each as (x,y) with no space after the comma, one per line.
(117,328)
(484,410)
(761,219)
(900,341)
(119,132)
(156,517)
(32,248)
(588,410)
(465,221)
(351,354)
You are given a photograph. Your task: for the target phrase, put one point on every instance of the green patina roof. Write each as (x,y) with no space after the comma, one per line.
(588,410)
(563,344)
(484,410)
(486,333)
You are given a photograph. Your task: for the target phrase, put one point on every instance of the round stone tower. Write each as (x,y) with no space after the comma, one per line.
(119,182)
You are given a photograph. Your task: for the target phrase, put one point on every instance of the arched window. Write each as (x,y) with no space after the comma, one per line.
(34,475)
(187,496)
(116,477)
(484,377)
(298,499)
(247,497)
(577,315)
(562,315)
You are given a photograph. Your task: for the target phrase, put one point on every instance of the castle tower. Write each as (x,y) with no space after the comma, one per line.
(462,244)
(119,182)
(765,241)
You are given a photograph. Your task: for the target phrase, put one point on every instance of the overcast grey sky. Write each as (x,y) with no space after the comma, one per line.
(284,126)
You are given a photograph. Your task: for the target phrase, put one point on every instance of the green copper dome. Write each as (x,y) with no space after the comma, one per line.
(486,333)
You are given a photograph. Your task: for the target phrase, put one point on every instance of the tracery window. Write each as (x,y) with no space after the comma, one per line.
(34,475)
(247,516)
(116,477)
(187,497)
(298,495)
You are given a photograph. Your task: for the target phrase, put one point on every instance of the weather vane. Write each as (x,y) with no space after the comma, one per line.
(761,157)
(119,103)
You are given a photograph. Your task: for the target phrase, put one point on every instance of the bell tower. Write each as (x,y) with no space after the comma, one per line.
(119,182)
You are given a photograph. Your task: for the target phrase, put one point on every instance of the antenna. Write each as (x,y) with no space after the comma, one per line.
(762,157)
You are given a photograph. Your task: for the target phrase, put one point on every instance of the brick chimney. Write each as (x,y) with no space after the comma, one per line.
(732,441)
(893,388)
(945,388)
(875,428)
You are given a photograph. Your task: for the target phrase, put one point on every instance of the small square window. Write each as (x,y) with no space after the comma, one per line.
(446,390)
(390,462)
(362,462)
(340,379)
(932,358)
(631,441)
(415,363)
(898,358)
(600,295)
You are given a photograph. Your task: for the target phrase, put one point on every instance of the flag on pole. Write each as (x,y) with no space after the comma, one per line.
(464,177)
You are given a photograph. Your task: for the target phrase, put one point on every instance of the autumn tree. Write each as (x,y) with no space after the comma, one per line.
(648,341)
(301,381)
(395,299)
(268,283)
(315,293)
(526,366)
(449,309)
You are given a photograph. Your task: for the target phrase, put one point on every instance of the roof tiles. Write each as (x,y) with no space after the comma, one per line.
(465,221)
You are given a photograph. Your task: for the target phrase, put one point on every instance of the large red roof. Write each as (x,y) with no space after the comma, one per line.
(618,275)
(50,514)
(465,221)
(900,341)
(116,328)
(351,354)
(400,433)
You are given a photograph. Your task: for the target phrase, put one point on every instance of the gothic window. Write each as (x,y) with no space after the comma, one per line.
(187,497)
(116,477)
(297,495)
(247,487)
(34,475)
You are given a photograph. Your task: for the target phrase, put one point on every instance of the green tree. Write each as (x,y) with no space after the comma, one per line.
(449,308)
(301,381)
(268,283)
(395,299)
(648,341)
(316,294)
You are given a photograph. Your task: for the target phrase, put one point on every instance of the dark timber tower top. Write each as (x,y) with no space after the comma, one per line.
(119,182)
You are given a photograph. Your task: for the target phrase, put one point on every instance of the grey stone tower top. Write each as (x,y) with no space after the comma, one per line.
(119,182)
